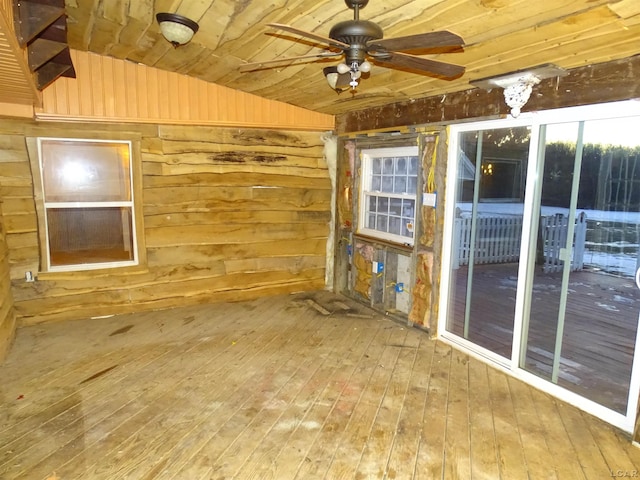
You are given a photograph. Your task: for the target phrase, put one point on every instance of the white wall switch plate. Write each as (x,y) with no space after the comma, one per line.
(429,199)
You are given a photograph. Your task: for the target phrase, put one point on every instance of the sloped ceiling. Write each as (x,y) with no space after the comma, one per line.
(501,36)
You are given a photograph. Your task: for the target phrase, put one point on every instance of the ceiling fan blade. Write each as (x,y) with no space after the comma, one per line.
(248,67)
(442,38)
(447,70)
(313,36)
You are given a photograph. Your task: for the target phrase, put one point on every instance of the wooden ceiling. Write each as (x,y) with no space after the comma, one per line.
(501,36)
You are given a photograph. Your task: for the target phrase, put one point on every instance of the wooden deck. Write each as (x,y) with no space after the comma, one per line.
(599,334)
(291,387)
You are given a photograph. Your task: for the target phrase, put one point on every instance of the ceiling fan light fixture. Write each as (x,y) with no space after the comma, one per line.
(359,39)
(177,29)
(331,74)
(365,67)
(343,68)
(337,81)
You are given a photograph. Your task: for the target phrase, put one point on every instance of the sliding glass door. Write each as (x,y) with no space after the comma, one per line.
(487,234)
(542,252)
(581,329)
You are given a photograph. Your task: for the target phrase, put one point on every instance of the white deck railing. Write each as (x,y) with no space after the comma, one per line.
(498,237)
(554,230)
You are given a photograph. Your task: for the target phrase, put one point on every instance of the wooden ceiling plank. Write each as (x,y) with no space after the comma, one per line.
(80,20)
(194,9)
(531,44)
(500,36)
(214,22)
(426,16)
(365,82)
(626,8)
(103,34)
(132,34)
(244,42)
(115,11)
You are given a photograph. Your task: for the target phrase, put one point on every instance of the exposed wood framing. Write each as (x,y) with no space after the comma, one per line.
(613,81)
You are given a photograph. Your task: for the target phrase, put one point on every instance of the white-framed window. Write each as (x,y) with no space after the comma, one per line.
(88,204)
(388,189)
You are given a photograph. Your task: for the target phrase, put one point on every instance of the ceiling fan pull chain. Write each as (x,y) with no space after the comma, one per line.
(355,74)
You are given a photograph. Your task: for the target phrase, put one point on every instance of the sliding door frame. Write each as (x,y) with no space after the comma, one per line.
(537,122)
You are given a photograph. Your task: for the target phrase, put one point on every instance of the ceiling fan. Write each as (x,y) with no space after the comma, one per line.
(359,39)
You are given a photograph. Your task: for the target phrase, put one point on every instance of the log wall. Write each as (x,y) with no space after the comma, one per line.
(229,214)
(7,313)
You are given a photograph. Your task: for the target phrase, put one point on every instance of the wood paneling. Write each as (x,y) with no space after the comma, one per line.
(7,313)
(116,90)
(18,85)
(228,214)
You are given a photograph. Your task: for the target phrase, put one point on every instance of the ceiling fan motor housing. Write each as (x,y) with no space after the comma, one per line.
(356,33)
(352,4)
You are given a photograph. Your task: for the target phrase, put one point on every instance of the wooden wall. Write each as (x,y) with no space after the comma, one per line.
(16,81)
(7,312)
(109,89)
(229,214)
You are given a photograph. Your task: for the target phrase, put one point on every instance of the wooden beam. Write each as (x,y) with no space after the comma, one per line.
(604,82)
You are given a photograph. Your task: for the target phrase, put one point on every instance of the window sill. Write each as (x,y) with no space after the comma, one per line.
(405,247)
(102,272)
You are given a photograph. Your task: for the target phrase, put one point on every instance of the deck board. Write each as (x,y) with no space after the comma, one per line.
(273,388)
(598,342)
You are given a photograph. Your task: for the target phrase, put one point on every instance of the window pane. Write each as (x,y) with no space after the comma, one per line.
(395,206)
(388,166)
(371,221)
(395,225)
(408,207)
(376,183)
(383,205)
(376,166)
(400,185)
(412,185)
(387,184)
(85,171)
(413,165)
(401,166)
(89,235)
(382,223)
(372,204)
(405,228)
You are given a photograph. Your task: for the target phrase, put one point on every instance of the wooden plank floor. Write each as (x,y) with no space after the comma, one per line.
(276,388)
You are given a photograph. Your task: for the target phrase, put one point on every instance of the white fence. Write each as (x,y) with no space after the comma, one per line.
(497,240)
(554,230)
